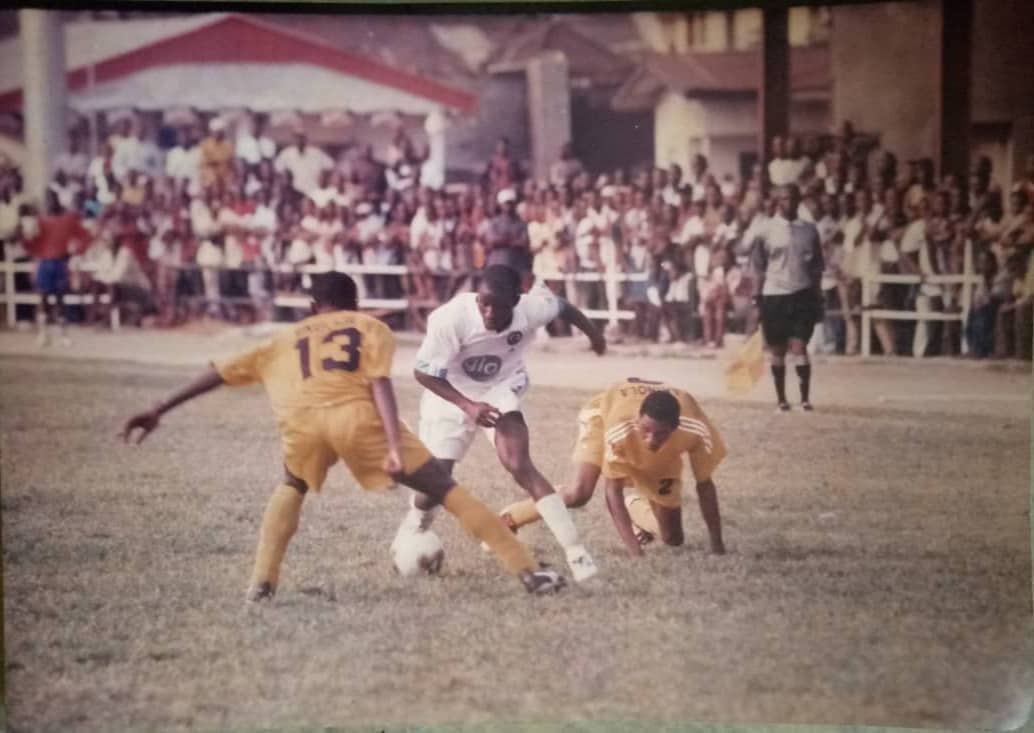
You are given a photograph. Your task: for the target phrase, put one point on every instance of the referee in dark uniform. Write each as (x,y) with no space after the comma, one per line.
(787,260)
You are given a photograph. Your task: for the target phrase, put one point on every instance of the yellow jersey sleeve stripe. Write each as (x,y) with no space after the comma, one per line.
(703,434)
(618,437)
(620,427)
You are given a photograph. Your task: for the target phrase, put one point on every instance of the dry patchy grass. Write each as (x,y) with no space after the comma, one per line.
(878,573)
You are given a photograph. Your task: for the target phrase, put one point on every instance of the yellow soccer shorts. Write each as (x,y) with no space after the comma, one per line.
(314,439)
(666,491)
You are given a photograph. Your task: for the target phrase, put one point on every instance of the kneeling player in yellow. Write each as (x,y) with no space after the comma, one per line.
(636,432)
(327,378)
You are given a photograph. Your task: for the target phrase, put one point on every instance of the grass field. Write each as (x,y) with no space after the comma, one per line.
(878,573)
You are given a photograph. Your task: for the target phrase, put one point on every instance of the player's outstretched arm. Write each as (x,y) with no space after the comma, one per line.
(148,420)
(708,496)
(615,489)
(480,412)
(579,320)
(387,408)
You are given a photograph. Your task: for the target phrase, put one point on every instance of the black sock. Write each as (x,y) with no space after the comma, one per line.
(779,377)
(804,375)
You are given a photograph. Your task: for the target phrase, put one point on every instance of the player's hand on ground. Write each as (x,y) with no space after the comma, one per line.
(483,414)
(599,344)
(145,422)
(392,464)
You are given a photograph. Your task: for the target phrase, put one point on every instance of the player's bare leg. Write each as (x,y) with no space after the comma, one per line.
(525,512)
(435,483)
(799,354)
(669,524)
(778,352)
(707,494)
(279,523)
(512,443)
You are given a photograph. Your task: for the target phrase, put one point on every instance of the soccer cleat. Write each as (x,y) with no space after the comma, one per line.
(261,592)
(581,563)
(543,582)
(783,407)
(806,407)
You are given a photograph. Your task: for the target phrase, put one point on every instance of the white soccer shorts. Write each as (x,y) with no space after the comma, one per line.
(447,431)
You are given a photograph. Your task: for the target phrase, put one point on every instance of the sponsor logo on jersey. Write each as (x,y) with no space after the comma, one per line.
(514,338)
(482,368)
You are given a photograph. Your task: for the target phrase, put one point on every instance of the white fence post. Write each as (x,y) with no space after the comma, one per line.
(866,317)
(10,302)
(967,294)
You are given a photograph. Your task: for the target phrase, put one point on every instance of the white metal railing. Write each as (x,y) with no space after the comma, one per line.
(966,282)
(612,280)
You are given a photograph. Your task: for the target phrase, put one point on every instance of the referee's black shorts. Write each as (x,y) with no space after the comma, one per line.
(785,317)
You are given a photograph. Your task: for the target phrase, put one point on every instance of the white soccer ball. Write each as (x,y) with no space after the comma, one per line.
(414,553)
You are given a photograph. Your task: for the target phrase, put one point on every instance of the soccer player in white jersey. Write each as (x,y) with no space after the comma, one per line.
(471,364)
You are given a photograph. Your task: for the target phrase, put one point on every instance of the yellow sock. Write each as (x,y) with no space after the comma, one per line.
(523,512)
(477,519)
(642,515)
(279,524)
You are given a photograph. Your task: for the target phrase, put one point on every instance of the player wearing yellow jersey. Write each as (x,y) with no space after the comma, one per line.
(327,378)
(636,432)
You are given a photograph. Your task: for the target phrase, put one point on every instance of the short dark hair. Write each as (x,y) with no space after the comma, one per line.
(502,280)
(336,290)
(662,407)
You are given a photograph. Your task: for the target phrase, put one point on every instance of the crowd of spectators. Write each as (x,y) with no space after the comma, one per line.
(215,219)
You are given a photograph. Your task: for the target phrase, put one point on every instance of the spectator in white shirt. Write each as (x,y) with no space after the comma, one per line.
(183,162)
(786,164)
(691,230)
(124,278)
(672,191)
(304,162)
(252,146)
(203,216)
(698,176)
(326,192)
(74,162)
(262,224)
(127,151)
(65,189)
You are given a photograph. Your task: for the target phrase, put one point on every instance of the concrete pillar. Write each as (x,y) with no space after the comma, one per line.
(433,172)
(1022,148)
(774,92)
(43,59)
(956,78)
(549,110)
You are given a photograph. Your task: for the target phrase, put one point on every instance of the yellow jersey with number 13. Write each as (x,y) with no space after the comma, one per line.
(324,360)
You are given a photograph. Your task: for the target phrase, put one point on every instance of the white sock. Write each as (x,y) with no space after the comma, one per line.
(554,513)
(416,518)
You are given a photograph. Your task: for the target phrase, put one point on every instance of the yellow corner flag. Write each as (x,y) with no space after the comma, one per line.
(746,368)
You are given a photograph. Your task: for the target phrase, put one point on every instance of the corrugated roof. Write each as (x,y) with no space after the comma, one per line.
(116,48)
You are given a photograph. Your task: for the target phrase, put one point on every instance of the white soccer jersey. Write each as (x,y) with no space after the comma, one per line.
(459,348)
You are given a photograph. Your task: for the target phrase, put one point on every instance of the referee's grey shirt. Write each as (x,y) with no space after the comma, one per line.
(788,255)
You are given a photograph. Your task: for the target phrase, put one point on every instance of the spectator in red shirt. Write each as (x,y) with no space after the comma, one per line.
(51,247)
